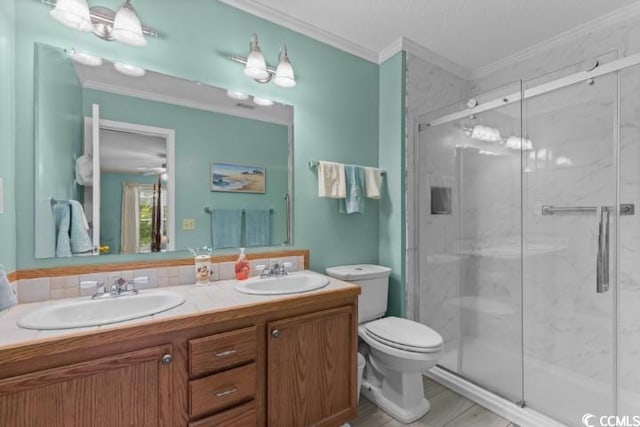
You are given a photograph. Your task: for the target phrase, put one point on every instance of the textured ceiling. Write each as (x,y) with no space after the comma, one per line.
(471,33)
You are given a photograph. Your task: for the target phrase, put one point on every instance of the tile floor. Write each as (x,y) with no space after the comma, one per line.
(447,409)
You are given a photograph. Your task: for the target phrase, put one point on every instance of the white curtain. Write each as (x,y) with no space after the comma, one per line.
(130,227)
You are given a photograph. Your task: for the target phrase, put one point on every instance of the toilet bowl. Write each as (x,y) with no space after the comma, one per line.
(397,351)
(397,354)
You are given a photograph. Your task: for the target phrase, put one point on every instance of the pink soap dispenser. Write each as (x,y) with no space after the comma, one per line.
(242,266)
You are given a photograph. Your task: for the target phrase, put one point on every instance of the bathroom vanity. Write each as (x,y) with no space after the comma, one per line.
(235,360)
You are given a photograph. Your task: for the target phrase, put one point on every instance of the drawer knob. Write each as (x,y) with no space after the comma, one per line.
(226,392)
(227,353)
(167,359)
(275,333)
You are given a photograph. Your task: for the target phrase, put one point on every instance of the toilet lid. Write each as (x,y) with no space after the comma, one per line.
(404,334)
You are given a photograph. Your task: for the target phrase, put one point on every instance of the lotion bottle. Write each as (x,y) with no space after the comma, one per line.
(242,266)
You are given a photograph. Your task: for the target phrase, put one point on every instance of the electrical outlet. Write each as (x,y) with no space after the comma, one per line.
(188,224)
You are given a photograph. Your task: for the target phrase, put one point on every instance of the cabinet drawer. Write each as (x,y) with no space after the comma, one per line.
(240,416)
(220,391)
(216,352)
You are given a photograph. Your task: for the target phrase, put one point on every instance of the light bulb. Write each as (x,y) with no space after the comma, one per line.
(127,28)
(239,96)
(263,102)
(284,73)
(74,14)
(256,66)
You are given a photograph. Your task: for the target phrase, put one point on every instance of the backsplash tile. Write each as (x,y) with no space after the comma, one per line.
(146,278)
(33,290)
(187,275)
(226,270)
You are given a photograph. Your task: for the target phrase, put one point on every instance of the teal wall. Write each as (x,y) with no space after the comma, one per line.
(336,109)
(111,205)
(7,135)
(203,137)
(59,130)
(392,158)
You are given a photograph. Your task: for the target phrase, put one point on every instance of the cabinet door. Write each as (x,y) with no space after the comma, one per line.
(130,389)
(311,372)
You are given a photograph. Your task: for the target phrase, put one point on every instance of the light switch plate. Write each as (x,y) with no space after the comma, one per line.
(1,196)
(188,224)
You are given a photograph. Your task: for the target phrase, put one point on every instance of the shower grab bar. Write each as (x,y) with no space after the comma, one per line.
(625,209)
(602,261)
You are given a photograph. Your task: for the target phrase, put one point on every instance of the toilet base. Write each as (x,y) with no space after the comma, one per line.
(404,415)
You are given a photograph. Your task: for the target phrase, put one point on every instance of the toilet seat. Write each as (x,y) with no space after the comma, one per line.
(404,334)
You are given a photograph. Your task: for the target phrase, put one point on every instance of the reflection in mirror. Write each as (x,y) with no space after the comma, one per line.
(156,141)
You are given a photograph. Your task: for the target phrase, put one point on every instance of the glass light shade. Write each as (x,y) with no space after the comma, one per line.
(85,58)
(256,67)
(74,14)
(127,28)
(284,75)
(518,143)
(129,70)
(263,102)
(239,96)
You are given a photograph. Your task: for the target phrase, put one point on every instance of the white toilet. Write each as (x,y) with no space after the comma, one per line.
(397,350)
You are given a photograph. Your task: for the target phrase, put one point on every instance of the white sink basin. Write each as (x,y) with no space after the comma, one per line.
(89,312)
(294,283)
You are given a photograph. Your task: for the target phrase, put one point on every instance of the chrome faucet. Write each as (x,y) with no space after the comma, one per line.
(119,287)
(274,271)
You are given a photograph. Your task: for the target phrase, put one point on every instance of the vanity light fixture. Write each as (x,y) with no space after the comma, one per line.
(123,26)
(85,58)
(257,68)
(129,70)
(263,102)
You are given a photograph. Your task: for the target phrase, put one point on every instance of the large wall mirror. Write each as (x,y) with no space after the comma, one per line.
(154,163)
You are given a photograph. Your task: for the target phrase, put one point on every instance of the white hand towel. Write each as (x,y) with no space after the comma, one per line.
(373,182)
(331,180)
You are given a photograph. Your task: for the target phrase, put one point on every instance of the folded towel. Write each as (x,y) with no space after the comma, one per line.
(7,297)
(79,232)
(257,227)
(354,202)
(62,215)
(331,180)
(373,182)
(226,228)
(84,170)
(45,229)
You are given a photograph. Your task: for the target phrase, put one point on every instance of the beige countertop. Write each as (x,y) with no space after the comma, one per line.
(220,295)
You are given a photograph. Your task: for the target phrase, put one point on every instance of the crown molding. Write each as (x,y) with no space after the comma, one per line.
(435,59)
(309,30)
(182,102)
(610,19)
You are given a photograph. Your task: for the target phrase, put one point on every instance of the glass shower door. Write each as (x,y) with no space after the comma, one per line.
(469,237)
(569,249)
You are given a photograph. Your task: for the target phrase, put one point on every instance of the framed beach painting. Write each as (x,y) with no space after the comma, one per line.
(235,178)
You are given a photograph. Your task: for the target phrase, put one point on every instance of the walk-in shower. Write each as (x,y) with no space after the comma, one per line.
(528,242)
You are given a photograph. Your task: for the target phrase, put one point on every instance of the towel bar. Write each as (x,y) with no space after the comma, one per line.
(208,210)
(314,164)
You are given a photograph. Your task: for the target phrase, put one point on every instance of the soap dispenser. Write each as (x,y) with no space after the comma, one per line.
(242,266)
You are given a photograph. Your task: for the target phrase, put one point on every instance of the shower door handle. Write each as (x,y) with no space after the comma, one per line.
(602,263)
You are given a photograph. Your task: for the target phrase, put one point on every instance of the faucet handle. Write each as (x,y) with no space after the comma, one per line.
(261,267)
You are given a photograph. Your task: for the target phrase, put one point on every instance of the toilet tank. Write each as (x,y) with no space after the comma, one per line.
(374,281)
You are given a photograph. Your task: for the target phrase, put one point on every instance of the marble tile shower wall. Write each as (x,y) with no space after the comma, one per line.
(34,290)
(568,330)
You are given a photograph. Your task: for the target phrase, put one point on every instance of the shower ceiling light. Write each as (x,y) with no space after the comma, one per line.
(74,14)
(129,70)
(518,143)
(123,26)
(257,68)
(485,133)
(85,58)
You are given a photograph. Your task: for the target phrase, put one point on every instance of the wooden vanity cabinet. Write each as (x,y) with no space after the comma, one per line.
(103,392)
(280,364)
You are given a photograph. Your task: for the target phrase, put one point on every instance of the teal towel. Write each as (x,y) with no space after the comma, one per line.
(226,228)
(257,227)
(62,214)
(354,202)
(7,297)
(79,230)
